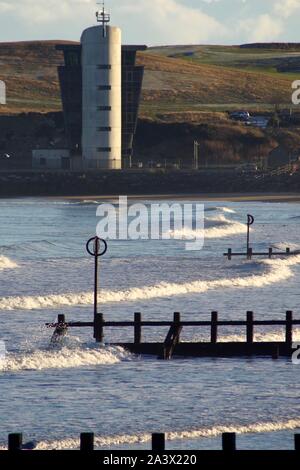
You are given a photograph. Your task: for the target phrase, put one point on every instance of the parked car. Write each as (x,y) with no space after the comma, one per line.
(240,116)
(247,168)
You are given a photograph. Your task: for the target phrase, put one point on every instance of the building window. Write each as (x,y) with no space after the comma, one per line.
(104,108)
(72,59)
(104,67)
(104,87)
(104,149)
(129,77)
(130,117)
(104,129)
(130,96)
(43,161)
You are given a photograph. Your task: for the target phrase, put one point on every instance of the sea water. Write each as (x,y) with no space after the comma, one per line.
(52,395)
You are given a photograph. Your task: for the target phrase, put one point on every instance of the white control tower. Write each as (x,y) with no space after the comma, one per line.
(101,95)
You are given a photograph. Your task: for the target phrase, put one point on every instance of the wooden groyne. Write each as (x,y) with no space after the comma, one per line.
(250,252)
(158,442)
(172,345)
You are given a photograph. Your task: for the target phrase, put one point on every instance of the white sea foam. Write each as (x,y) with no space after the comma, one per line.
(276,270)
(62,358)
(271,336)
(224,228)
(89,201)
(227,209)
(6,263)
(282,246)
(190,434)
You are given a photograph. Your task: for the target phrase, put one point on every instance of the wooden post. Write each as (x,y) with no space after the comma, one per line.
(61,318)
(176,320)
(288,251)
(172,338)
(229,254)
(137,328)
(214,328)
(229,442)
(250,327)
(87,442)
(249,253)
(176,317)
(15,442)
(289,328)
(275,353)
(270,252)
(98,327)
(60,330)
(158,442)
(297,442)
(164,355)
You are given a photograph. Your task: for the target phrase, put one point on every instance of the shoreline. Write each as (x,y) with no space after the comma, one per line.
(231,197)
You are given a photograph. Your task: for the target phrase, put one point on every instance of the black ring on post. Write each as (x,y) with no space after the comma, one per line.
(250,219)
(93,253)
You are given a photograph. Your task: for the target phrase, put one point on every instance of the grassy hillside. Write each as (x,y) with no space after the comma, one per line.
(181,79)
(190,84)
(29,70)
(260,58)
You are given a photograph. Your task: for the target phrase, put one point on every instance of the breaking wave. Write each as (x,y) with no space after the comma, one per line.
(209,432)
(282,246)
(223,209)
(277,270)
(272,336)
(62,358)
(224,228)
(227,209)
(6,263)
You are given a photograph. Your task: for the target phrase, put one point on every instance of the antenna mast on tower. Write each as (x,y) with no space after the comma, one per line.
(103,17)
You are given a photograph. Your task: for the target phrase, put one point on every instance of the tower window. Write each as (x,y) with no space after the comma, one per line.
(129,76)
(104,108)
(104,67)
(104,149)
(104,129)
(104,87)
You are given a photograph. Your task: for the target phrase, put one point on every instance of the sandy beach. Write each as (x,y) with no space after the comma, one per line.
(231,197)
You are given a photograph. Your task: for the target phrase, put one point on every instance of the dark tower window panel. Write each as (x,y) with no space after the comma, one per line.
(104,129)
(104,87)
(132,78)
(104,149)
(70,77)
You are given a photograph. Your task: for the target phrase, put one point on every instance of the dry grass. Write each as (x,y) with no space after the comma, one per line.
(169,79)
(170,85)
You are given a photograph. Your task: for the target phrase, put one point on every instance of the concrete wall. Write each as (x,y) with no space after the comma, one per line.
(144,183)
(101,128)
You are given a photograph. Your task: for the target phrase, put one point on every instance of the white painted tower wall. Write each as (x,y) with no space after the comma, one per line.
(101,98)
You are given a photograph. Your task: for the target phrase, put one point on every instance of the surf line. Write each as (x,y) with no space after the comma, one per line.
(278,271)
(190,434)
(6,263)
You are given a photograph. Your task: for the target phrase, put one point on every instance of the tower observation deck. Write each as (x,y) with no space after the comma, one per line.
(100,126)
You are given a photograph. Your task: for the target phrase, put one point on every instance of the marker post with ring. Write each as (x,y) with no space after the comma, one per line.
(93,248)
(249,251)
(250,221)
